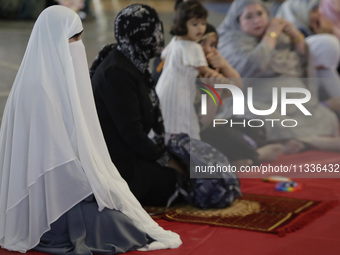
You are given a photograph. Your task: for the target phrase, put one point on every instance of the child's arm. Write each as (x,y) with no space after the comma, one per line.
(220,64)
(207,72)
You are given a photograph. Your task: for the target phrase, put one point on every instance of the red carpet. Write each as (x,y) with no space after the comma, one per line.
(319,237)
(279,215)
(5,252)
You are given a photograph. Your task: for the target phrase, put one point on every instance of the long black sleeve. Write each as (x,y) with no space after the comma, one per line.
(124,97)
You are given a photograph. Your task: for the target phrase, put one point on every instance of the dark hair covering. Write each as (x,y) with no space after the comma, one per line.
(139,34)
(184,12)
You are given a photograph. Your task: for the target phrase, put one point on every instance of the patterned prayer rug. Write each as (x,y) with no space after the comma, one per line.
(270,214)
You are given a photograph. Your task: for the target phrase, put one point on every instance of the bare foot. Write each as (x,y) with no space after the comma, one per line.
(293,146)
(270,152)
(334,103)
(242,162)
(324,143)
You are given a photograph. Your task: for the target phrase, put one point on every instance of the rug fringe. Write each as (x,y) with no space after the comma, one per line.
(306,217)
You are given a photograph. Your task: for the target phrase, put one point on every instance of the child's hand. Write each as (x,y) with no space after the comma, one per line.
(207,72)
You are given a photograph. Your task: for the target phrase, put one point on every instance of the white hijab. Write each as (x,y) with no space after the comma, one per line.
(325,50)
(52,151)
(240,48)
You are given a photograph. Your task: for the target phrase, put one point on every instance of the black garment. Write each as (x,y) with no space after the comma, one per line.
(126,115)
(83,230)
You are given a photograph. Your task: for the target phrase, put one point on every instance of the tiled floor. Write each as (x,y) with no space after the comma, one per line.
(14,34)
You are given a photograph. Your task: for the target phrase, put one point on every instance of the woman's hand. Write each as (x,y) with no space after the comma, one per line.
(297,37)
(290,30)
(276,25)
(273,31)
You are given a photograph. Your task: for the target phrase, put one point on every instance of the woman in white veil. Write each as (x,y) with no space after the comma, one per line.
(53,156)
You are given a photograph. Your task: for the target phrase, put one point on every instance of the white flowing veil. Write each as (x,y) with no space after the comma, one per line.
(52,151)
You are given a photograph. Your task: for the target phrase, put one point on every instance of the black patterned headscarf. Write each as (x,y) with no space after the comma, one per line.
(139,34)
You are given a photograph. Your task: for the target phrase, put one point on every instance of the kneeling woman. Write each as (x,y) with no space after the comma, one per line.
(59,191)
